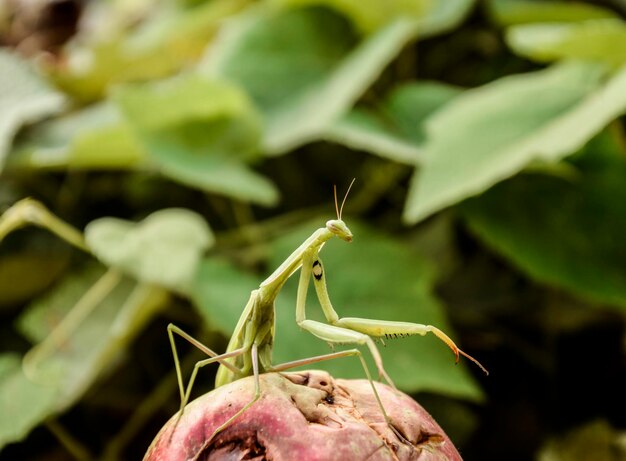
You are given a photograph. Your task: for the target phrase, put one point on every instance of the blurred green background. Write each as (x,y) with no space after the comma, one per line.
(176,152)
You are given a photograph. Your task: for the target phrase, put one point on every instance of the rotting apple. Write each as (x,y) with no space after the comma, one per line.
(306,415)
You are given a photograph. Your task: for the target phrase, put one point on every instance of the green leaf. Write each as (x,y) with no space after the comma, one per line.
(118,48)
(220,291)
(83,325)
(24,404)
(433,16)
(199,132)
(491,133)
(367,15)
(106,312)
(164,248)
(190,98)
(443,16)
(579,244)
(24,98)
(303,68)
(394,128)
(511,12)
(94,342)
(221,176)
(30,268)
(46,312)
(381,281)
(601,40)
(594,439)
(96,137)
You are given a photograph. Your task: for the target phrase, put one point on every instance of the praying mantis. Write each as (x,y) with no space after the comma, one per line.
(249,351)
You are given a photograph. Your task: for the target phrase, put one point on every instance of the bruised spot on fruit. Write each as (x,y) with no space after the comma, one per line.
(429,440)
(301,378)
(314,380)
(240,447)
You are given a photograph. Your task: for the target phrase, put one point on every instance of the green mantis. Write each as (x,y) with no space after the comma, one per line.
(249,351)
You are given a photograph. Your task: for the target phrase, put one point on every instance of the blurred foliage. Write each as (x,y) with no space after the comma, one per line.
(177,151)
(594,441)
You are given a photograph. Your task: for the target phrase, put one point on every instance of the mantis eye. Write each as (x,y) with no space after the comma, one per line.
(333,227)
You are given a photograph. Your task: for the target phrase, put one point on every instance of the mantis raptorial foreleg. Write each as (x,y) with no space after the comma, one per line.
(312,266)
(390,329)
(332,334)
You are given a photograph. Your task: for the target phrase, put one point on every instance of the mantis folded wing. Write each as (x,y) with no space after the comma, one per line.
(250,348)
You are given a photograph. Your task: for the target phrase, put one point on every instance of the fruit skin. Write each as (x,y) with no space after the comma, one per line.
(307,416)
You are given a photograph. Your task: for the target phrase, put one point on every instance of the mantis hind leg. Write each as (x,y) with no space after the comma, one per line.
(214,357)
(312,268)
(257,395)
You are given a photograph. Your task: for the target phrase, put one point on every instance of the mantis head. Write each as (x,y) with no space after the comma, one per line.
(339,228)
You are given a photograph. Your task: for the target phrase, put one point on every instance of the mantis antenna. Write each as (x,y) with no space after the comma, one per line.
(343,202)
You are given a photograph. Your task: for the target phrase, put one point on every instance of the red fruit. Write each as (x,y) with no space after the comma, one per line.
(305,416)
